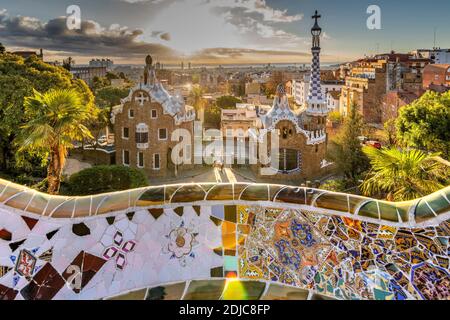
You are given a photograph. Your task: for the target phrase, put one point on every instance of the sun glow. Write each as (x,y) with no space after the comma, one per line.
(234,290)
(192,26)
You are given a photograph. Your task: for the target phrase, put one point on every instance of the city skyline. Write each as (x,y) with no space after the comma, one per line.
(219,31)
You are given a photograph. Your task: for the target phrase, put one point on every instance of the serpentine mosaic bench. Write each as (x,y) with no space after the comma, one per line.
(222,241)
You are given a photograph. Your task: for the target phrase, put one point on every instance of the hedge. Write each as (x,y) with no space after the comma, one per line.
(101,179)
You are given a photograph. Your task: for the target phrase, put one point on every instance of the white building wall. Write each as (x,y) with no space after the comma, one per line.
(442,57)
(301,90)
(332,103)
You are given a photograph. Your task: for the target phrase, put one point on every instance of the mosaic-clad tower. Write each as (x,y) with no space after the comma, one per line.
(302,134)
(316,104)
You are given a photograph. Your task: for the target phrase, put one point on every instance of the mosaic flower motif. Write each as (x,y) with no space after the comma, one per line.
(121,248)
(181,242)
(119,240)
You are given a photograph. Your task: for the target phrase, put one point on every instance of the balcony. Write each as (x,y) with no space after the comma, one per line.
(316,136)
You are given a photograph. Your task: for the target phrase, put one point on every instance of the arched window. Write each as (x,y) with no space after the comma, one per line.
(284,132)
(142,136)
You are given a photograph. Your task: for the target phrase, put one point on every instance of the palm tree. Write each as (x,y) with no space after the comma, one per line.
(403,174)
(55,121)
(198,102)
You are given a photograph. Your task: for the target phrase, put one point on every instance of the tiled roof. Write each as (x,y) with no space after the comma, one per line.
(336,94)
(437,68)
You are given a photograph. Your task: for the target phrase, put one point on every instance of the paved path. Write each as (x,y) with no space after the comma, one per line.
(230,175)
(74,165)
(214,175)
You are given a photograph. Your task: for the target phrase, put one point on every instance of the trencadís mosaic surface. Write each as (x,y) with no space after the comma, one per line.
(222,241)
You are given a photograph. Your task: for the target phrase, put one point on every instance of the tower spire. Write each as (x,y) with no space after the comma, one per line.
(315,101)
(316,31)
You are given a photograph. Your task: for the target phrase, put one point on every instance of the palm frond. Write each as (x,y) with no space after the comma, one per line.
(406,174)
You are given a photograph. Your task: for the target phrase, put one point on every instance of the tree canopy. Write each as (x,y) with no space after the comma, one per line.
(425,123)
(345,151)
(55,120)
(108,97)
(227,102)
(18,78)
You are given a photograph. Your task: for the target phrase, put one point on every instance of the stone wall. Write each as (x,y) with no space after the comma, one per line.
(142,114)
(311,155)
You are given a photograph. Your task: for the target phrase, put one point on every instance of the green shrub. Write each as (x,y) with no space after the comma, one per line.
(337,185)
(101,179)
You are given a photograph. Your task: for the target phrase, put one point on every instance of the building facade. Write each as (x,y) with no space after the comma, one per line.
(87,74)
(107,63)
(394,100)
(237,122)
(333,98)
(436,74)
(300,88)
(144,123)
(365,88)
(302,135)
(370,79)
(436,55)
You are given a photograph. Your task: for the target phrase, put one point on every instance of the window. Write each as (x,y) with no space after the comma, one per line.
(140,160)
(126,157)
(141,137)
(289,160)
(131,113)
(285,132)
(141,133)
(125,133)
(162,134)
(153,114)
(156,161)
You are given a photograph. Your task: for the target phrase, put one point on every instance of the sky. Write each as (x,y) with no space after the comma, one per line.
(221,31)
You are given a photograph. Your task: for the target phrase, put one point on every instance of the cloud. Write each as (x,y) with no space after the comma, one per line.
(197,24)
(91,40)
(161,35)
(258,7)
(233,35)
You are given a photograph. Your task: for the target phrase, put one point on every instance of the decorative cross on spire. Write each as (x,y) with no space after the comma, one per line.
(316,16)
(141,98)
